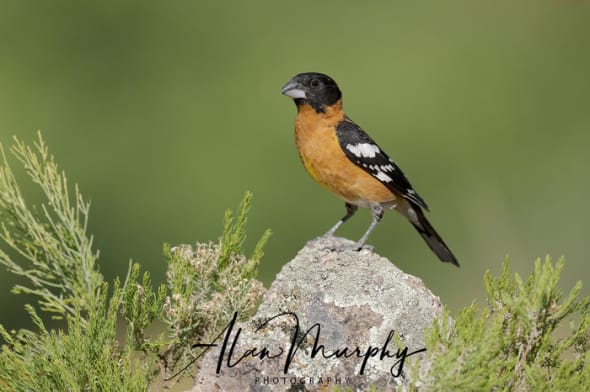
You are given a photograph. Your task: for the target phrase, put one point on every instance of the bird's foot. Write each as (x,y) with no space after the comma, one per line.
(340,244)
(358,247)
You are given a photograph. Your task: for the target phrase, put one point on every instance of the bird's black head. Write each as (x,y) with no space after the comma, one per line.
(316,89)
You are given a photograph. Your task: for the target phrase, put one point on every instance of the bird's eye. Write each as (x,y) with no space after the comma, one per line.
(315,83)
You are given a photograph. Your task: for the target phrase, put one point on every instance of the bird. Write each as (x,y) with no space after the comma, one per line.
(339,155)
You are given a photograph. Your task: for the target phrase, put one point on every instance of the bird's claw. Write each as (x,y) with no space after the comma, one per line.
(359,247)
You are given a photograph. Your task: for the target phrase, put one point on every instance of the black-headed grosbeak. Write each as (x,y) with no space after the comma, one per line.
(341,157)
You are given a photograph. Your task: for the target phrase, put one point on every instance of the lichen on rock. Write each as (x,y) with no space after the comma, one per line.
(331,317)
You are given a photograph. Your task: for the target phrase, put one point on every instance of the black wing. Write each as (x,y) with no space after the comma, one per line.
(365,153)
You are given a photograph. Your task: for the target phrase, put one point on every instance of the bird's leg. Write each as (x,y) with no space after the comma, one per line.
(377,212)
(350,210)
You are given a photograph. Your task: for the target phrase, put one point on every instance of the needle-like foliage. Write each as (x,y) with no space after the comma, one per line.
(518,342)
(49,248)
(514,344)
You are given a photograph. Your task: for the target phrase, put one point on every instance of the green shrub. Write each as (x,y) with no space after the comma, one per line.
(513,343)
(50,249)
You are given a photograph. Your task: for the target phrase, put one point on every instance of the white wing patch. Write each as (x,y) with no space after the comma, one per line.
(363,150)
(382,176)
(384,168)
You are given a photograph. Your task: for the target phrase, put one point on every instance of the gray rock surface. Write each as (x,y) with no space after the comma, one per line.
(344,300)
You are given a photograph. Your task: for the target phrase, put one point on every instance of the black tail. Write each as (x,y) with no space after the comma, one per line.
(432,238)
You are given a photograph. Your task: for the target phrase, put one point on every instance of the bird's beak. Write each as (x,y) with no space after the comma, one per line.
(293,89)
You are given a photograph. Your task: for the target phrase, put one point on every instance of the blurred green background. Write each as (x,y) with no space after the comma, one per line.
(164,113)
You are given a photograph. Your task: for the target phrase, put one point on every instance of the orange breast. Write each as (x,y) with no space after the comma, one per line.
(324,160)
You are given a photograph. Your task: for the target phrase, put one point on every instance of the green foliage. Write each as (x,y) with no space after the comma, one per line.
(206,285)
(50,249)
(87,357)
(514,344)
(61,265)
(232,240)
(518,342)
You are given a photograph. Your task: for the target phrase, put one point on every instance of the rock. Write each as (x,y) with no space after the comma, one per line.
(347,304)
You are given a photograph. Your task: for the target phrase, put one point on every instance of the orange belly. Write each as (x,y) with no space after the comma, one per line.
(327,164)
